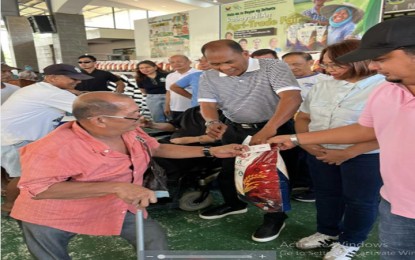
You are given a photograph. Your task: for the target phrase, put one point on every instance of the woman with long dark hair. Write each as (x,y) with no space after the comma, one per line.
(151,80)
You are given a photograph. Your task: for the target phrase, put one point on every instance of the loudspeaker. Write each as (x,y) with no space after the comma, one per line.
(42,24)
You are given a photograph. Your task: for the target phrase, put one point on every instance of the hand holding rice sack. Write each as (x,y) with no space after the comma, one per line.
(261,178)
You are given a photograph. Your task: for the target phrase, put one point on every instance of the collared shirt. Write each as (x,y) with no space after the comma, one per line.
(390,110)
(307,82)
(99,82)
(33,111)
(251,97)
(70,154)
(156,85)
(334,103)
(178,103)
(191,80)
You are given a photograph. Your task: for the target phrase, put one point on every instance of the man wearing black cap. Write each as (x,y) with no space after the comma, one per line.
(32,112)
(389,117)
(100,79)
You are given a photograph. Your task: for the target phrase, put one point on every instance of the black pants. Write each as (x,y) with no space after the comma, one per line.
(237,134)
(175,114)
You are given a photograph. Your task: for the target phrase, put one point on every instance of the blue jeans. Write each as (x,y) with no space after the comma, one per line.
(50,243)
(156,104)
(347,197)
(396,234)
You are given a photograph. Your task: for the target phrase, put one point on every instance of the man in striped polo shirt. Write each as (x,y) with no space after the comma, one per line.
(258,97)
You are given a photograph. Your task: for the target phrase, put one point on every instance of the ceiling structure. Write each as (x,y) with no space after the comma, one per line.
(97,8)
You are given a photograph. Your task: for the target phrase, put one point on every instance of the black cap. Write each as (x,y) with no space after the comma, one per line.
(67,70)
(383,38)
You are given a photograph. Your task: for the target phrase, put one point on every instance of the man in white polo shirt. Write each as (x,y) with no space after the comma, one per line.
(176,104)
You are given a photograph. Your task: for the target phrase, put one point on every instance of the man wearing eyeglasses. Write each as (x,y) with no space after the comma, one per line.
(300,64)
(100,79)
(32,112)
(86,177)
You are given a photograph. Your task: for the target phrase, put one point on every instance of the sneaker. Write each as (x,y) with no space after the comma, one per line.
(341,252)
(315,241)
(306,196)
(221,211)
(270,229)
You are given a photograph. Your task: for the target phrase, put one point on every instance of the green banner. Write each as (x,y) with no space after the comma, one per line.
(169,35)
(297,25)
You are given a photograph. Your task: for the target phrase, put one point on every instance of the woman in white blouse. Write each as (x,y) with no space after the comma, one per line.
(346,178)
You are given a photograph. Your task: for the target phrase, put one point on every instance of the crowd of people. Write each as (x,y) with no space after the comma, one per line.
(345,135)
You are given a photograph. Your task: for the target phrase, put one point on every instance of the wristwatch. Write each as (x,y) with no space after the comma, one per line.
(294,140)
(206,151)
(208,123)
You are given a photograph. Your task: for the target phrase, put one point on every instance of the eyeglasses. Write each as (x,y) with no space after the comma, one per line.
(80,62)
(135,119)
(332,66)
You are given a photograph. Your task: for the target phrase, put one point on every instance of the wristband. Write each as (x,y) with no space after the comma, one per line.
(294,140)
(208,123)
(206,151)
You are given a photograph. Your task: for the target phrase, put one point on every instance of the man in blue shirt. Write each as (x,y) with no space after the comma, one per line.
(191,80)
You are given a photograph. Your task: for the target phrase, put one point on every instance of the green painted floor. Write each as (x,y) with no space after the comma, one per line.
(186,231)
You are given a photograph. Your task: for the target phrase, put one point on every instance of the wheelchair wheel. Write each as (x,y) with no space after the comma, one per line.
(188,201)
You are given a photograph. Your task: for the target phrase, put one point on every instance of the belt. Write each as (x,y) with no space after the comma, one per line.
(247,125)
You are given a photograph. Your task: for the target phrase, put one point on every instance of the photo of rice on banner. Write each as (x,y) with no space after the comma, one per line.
(261,178)
(306,37)
(319,23)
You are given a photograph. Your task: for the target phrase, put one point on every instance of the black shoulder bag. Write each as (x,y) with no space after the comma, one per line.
(155,177)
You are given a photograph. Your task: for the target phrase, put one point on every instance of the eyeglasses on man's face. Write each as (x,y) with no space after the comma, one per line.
(86,62)
(135,119)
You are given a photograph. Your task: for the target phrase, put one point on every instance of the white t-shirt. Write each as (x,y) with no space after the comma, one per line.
(178,103)
(307,82)
(33,111)
(7,91)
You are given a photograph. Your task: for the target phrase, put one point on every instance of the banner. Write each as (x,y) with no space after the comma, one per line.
(297,25)
(169,35)
(397,6)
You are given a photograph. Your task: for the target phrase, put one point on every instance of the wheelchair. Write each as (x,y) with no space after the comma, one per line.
(189,182)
